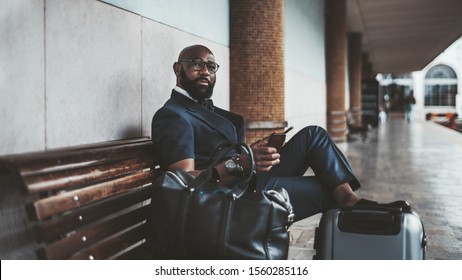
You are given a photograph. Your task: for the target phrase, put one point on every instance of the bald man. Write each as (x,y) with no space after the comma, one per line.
(188,127)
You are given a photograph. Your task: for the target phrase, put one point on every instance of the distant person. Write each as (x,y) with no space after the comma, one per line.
(410,102)
(387,105)
(383,116)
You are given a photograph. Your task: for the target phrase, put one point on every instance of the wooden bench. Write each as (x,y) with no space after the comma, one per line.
(84,202)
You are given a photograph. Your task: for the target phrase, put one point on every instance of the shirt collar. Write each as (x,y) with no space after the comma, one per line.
(184,92)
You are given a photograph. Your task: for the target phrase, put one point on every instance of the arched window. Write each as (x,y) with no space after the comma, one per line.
(440,86)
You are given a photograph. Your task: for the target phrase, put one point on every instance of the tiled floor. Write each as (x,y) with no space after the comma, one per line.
(419,162)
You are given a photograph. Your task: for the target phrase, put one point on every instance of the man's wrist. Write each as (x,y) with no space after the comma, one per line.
(215,174)
(239,164)
(234,167)
(244,162)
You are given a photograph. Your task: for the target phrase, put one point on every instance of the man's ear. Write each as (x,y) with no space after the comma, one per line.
(177,68)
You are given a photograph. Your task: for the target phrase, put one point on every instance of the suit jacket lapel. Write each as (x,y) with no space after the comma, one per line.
(215,121)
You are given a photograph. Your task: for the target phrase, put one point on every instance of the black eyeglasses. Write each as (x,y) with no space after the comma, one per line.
(198,64)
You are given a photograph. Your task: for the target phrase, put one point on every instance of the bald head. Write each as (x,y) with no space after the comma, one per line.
(193,51)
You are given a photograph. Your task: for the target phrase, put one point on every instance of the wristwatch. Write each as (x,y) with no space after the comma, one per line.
(233,167)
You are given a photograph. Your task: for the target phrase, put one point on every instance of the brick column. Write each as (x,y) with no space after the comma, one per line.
(257,65)
(354,75)
(335,68)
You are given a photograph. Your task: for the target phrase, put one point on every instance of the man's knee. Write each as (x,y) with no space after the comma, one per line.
(315,131)
(315,128)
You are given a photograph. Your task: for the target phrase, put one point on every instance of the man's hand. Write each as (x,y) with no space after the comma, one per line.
(265,157)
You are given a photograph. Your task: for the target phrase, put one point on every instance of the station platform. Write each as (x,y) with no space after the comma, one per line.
(421,163)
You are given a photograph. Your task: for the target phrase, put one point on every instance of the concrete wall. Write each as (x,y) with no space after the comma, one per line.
(305,79)
(204,18)
(22,76)
(76,72)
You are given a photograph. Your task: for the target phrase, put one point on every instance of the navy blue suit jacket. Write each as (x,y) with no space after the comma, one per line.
(183,129)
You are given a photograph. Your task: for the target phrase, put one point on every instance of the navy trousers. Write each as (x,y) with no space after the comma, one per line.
(311,147)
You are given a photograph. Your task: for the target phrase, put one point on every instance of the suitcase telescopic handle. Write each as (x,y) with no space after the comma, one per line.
(397,206)
(369,222)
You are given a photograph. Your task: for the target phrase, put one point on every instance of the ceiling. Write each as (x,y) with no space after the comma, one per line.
(401,36)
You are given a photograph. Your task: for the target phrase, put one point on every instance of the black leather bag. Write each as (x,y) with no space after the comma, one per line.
(195,218)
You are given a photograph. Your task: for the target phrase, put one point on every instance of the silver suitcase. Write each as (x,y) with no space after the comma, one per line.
(370,233)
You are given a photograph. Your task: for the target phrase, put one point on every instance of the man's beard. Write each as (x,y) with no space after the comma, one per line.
(194,90)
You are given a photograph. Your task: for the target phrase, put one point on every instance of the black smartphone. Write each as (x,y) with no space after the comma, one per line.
(276,140)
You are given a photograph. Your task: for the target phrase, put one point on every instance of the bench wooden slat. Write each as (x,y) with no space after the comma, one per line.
(138,253)
(86,175)
(63,202)
(92,235)
(107,144)
(110,248)
(54,161)
(53,229)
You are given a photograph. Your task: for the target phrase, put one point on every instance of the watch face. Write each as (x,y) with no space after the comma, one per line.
(230,165)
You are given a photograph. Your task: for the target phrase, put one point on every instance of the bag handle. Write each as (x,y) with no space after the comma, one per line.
(223,148)
(243,184)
